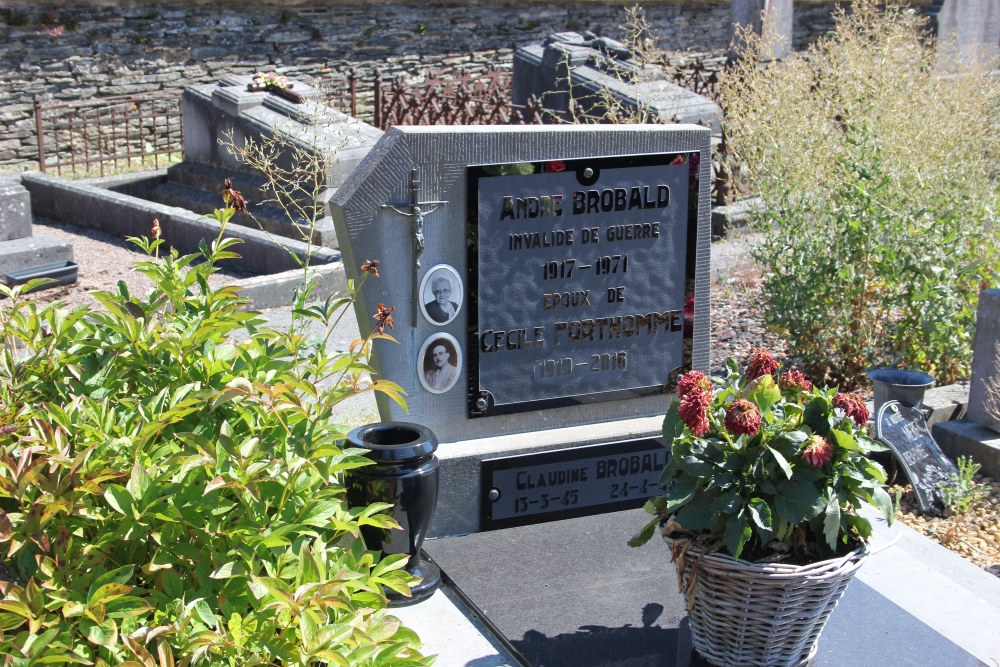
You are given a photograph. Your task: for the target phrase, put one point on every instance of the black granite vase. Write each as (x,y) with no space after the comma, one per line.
(405,475)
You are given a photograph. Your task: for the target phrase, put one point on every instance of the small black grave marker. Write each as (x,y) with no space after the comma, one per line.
(566,483)
(903,429)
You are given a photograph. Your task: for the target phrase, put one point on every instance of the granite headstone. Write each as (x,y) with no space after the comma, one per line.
(550,285)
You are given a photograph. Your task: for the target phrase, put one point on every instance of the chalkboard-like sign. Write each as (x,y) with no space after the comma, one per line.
(904,430)
(578,481)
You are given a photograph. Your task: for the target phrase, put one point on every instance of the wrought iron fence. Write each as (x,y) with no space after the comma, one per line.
(465,99)
(342,92)
(109,134)
(699,75)
(429,99)
(124,132)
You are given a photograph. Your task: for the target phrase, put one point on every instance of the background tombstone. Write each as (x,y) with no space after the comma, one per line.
(764,17)
(20,248)
(978,435)
(509,209)
(970,27)
(985,360)
(215,114)
(588,68)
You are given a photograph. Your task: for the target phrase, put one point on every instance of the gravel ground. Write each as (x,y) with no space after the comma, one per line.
(737,328)
(104,259)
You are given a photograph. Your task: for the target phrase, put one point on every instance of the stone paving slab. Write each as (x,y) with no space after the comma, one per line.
(453,634)
(571,592)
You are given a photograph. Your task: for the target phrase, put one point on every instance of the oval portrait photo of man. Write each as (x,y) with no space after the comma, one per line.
(439,363)
(441,294)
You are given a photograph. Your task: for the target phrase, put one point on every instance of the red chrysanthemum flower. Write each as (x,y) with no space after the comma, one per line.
(743,418)
(853,406)
(761,363)
(693,411)
(693,381)
(817,451)
(795,381)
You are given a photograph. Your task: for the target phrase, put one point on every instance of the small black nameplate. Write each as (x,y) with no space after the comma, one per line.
(566,483)
(904,430)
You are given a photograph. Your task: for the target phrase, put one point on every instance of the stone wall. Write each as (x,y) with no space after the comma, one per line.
(76,50)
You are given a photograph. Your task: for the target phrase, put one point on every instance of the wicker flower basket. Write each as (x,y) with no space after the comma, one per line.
(746,614)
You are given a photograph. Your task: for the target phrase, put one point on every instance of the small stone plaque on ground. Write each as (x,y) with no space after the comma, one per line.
(904,430)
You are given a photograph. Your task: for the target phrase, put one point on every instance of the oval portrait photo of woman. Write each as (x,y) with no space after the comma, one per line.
(441,294)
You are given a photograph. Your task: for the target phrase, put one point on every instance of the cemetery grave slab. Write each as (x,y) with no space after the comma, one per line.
(573,593)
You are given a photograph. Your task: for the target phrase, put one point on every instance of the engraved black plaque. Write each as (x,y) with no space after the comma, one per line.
(904,430)
(580,279)
(579,481)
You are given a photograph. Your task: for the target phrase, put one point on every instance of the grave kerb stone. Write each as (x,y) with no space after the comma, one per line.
(15,210)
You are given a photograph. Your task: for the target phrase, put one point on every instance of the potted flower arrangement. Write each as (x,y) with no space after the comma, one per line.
(762,491)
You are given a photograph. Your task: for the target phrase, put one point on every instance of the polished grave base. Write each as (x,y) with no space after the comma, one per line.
(573,593)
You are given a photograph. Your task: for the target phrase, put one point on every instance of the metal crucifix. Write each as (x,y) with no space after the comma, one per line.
(417,210)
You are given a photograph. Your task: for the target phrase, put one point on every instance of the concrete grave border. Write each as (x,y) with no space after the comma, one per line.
(94,205)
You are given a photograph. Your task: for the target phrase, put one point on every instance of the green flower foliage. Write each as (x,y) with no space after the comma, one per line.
(171,483)
(789,481)
(876,156)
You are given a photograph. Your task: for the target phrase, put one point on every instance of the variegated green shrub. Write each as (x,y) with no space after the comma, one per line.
(171,483)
